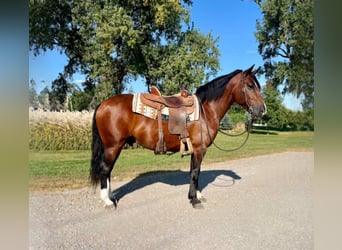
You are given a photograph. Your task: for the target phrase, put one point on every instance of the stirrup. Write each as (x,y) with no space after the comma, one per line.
(186,147)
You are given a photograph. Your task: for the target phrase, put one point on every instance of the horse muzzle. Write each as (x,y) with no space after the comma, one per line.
(258,112)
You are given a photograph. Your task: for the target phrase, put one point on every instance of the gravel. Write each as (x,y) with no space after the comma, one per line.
(263,202)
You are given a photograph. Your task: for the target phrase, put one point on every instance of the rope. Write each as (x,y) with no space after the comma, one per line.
(232,135)
(233,149)
(249,126)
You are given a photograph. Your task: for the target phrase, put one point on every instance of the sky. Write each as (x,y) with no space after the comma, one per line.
(233,21)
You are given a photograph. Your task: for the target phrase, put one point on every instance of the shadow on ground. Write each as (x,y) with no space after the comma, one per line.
(174,178)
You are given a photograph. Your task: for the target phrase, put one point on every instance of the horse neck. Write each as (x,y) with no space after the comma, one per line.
(217,109)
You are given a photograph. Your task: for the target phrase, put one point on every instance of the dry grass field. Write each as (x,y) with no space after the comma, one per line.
(59,130)
(59,156)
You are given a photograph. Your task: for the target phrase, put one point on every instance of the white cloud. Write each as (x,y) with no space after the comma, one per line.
(78,81)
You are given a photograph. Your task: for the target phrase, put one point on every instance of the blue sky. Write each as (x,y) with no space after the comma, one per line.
(233,21)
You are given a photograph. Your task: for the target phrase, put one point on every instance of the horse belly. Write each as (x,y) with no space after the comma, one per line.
(146,134)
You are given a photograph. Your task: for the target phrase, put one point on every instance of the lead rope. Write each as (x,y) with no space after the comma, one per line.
(248,129)
(244,142)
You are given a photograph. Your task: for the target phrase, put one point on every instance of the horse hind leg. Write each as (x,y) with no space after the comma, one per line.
(111,155)
(105,192)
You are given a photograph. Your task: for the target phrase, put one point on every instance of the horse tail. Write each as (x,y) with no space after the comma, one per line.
(97,153)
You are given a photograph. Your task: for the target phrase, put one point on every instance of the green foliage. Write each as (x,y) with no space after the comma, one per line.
(51,170)
(238,117)
(286,43)
(276,113)
(79,101)
(235,116)
(183,67)
(113,42)
(300,121)
(225,123)
(58,94)
(280,118)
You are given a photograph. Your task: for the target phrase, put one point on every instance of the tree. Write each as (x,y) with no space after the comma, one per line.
(80,99)
(299,120)
(58,94)
(184,67)
(44,99)
(237,114)
(115,41)
(226,123)
(276,116)
(33,98)
(286,43)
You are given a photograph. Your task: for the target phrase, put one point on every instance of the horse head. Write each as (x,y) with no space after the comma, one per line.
(247,93)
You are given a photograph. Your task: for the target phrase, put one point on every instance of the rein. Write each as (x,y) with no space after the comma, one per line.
(248,130)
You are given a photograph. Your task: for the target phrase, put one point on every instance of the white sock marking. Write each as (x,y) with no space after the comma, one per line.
(104,194)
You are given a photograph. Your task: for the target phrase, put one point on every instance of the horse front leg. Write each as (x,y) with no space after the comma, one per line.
(194,195)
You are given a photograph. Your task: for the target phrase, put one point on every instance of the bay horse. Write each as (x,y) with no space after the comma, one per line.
(114,124)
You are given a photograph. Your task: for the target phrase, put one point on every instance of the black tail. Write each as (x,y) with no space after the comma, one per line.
(97,154)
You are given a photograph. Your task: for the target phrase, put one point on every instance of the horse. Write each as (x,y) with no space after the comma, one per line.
(115,124)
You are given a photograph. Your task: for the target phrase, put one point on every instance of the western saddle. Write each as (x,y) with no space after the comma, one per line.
(180,106)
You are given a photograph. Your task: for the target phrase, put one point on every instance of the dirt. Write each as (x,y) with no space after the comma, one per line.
(263,202)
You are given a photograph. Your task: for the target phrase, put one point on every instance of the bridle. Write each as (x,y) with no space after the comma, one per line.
(247,130)
(248,127)
(248,104)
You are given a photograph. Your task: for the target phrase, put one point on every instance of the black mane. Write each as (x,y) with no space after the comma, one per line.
(257,82)
(215,88)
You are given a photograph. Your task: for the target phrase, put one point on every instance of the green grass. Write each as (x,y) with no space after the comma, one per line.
(60,170)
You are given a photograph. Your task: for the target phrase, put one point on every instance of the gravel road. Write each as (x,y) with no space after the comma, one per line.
(263,202)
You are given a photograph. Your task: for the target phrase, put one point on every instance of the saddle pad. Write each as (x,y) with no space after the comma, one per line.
(140,108)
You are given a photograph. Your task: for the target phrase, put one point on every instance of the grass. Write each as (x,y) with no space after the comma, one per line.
(62,170)
(59,130)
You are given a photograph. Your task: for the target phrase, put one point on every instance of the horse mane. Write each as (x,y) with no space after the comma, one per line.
(214,89)
(256,80)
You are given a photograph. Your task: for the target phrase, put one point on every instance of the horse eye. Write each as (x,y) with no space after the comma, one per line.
(250,86)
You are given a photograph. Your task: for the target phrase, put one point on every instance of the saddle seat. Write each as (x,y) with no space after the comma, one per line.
(176,101)
(180,106)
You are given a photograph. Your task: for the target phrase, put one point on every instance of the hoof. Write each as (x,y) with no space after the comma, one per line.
(109,206)
(114,200)
(196,203)
(202,199)
(110,203)
(197,206)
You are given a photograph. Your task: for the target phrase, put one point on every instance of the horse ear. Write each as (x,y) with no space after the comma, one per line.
(249,70)
(256,71)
